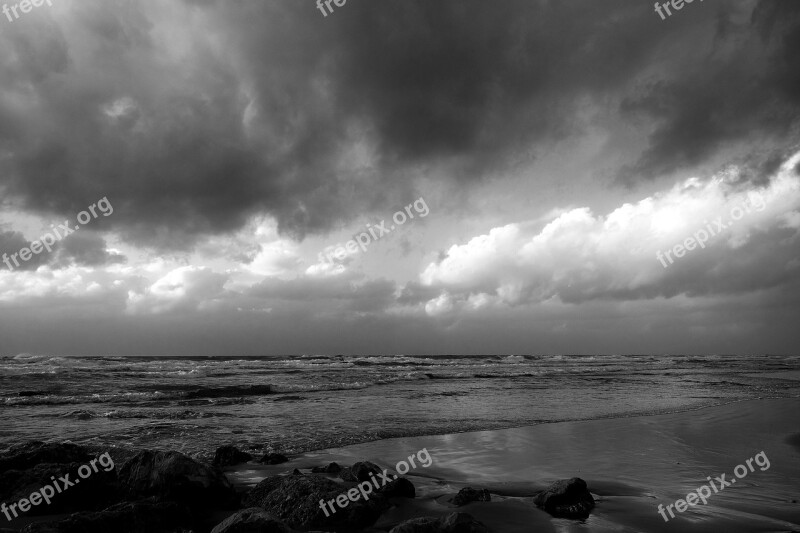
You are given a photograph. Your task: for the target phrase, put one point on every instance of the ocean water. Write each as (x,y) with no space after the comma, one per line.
(302,403)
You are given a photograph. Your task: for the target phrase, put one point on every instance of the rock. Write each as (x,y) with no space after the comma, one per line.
(251,520)
(296,472)
(468,495)
(273,459)
(30,454)
(462,523)
(94,492)
(229,456)
(171,476)
(567,498)
(296,501)
(452,523)
(418,525)
(332,468)
(398,488)
(361,471)
(137,517)
(258,494)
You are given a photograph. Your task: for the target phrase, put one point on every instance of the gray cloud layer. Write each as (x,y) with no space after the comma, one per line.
(253,107)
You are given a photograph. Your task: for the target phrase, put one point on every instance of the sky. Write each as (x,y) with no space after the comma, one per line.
(521,176)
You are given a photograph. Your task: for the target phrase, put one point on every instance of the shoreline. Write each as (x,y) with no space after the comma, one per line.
(631,464)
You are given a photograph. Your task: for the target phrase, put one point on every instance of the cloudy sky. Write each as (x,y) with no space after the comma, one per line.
(556,147)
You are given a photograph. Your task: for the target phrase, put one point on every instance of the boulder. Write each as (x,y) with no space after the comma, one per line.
(171,476)
(452,523)
(92,493)
(469,495)
(296,501)
(128,517)
(30,454)
(361,471)
(332,468)
(462,523)
(567,498)
(398,488)
(273,459)
(229,456)
(418,525)
(251,520)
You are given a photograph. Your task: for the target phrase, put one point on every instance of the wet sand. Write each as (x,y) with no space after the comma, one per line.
(630,464)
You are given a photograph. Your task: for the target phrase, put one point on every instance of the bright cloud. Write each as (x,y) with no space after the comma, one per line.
(581,256)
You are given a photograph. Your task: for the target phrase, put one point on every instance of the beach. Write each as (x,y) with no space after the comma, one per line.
(641,431)
(631,464)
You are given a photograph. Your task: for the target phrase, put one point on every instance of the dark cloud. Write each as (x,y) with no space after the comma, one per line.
(746,88)
(259,110)
(11,242)
(86,249)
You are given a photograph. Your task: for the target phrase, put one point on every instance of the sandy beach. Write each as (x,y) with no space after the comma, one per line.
(631,465)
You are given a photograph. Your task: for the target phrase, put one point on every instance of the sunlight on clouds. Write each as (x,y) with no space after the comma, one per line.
(580,256)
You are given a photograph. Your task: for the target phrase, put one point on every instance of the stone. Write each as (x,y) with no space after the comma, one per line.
(469,495)
(566,498)
(252,520)
(229,456)
(172,476)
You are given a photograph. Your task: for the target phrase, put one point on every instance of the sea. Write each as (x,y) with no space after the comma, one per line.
(294,404)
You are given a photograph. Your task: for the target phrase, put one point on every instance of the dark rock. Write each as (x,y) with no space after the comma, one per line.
(30,454)
(398,488)
(452,523)
(296,501)
(93,493)
(566,498)
(462,523)
(251,520)
(171,476)
(273,459)
(418,525)
(136,517)
(230,455)
(296,472)
(361,471)
(332,468)
(258,493)
(468,495)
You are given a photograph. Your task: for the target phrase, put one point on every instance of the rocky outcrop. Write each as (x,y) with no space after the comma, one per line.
(361,471)
(229,456)
(398,488)
(127,517)
(171,476)
(332,468)
(30,454)
(93,493)
(469,495)
(452,523)
(273,459)
(251,520)
(567,498)
(296,501)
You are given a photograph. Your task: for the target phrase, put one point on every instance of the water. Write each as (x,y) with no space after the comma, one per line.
(301,403)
